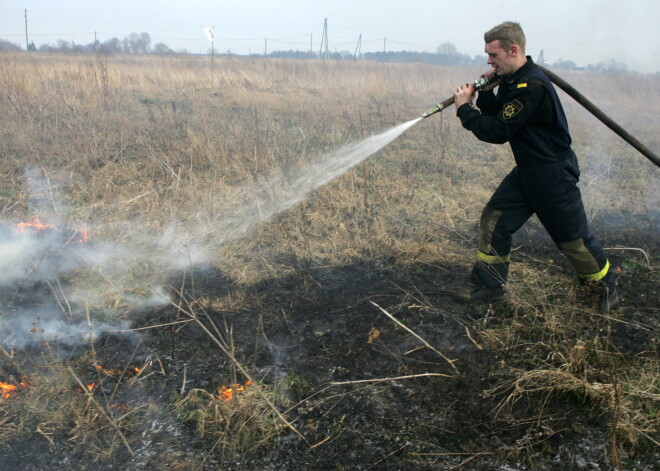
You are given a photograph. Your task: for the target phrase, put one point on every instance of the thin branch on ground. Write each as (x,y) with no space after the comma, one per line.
(411,332)
(393,378)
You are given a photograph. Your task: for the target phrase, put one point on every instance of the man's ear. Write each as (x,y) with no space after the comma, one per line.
(515,49)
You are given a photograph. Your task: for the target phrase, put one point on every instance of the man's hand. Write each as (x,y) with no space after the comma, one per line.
(464,94)
(492,75)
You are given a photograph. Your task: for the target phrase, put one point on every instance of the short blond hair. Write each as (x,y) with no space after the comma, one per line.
(508,33)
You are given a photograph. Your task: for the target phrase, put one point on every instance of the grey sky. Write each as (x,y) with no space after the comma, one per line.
(584,31)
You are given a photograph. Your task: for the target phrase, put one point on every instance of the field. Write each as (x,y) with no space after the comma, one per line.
(180,287)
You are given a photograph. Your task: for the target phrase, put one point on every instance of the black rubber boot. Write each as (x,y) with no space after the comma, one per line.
(487,281)
(609,297)
(486,295)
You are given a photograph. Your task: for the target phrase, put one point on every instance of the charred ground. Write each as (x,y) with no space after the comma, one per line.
(320,342)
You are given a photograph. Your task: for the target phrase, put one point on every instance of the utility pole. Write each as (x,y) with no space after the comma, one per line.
(324,40)
(265,47)
(356,54)
(384,43)
(27,43)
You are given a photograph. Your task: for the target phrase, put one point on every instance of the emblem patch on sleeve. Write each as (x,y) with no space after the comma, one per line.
(511,109)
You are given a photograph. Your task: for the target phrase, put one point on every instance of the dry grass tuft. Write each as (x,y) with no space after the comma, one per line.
(57,405)
(241,425)
(557,348)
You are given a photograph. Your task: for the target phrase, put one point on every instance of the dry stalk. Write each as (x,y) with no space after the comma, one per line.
(167,324)
(411,332)
(395,378)
(67,312)
(648,261)
(190,312)
(100,409)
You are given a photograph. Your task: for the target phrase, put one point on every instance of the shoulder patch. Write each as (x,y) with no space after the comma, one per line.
(511,109)
(522,85)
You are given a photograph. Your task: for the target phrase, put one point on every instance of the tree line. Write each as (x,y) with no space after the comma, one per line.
(445,54)
(134,43)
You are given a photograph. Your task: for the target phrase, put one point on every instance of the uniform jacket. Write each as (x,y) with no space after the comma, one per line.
(527,113)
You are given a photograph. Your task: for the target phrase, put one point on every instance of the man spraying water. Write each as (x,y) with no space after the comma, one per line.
(527,113)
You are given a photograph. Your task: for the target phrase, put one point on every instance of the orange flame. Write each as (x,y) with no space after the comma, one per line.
(227,394)
(6,389)
(36,224)
(79,235)
(108,372)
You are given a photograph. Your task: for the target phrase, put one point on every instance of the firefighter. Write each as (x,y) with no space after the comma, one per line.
(526,113)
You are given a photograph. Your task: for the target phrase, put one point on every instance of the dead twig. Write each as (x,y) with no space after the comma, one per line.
(467,332)
(411,332)
(140,196)
(185,321)
(67,312)
(393,378)
(91,397)
(384,458)
(648,261)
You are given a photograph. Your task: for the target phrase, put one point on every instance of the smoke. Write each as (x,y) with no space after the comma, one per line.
(55,284)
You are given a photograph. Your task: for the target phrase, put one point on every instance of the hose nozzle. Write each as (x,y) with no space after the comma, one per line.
(436,109)
(479,84)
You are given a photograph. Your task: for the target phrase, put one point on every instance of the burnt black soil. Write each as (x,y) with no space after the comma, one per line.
(323,325)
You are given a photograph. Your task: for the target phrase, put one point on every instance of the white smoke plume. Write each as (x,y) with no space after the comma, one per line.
(55,284)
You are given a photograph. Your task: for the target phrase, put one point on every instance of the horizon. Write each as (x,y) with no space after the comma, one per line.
(600,31)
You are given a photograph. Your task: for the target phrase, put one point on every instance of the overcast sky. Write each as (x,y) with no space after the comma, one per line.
(583,31)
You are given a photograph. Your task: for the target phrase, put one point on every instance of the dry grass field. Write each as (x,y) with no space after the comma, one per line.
(195,296)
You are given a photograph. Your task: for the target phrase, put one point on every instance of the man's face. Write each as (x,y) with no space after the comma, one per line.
(503,61)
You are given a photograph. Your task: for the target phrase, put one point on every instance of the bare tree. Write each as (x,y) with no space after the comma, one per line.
(145,43)
(162,48)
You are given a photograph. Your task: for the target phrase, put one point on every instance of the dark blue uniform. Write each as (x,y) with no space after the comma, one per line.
(527,113)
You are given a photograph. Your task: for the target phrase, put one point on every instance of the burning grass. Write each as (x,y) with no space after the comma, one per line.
(238,420)
(55,404)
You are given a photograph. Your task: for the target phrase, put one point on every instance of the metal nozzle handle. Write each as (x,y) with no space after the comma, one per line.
(479,84)
(439,107)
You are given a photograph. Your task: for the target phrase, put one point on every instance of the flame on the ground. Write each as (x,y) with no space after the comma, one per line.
(228,393)
(35,225)
(77,234)
(129,371)
(108,372)
(7,389)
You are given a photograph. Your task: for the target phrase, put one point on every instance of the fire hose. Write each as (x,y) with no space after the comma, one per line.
(577,96)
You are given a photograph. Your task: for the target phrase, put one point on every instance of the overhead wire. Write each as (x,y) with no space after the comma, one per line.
(44,18)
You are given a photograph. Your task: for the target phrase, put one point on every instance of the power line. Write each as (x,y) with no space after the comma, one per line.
(27,43)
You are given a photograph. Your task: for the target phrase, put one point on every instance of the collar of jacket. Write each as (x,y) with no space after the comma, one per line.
(518,74)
